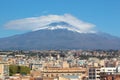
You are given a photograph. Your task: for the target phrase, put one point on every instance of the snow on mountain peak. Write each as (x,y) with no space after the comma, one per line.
(62,25)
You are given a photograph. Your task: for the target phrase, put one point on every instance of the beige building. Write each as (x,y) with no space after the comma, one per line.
(65,64)
(62,78)
(4,70)
(57,72)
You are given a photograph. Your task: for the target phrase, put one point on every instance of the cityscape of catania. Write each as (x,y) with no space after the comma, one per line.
(60,65)
(59,39)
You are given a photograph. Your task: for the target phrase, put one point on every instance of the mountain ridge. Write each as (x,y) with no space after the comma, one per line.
(59,39)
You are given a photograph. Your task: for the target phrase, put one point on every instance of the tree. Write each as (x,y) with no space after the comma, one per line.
(13,69)
(24,70)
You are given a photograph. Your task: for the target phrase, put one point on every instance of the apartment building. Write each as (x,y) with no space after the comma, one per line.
(94,73)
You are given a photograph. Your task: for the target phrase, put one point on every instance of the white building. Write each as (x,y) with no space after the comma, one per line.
(108,70)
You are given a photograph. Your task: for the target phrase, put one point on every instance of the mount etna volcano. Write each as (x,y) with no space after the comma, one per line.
(58,36)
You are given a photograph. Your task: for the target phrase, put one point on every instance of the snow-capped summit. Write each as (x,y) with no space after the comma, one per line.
(57,25)
(60,25)
(63,25)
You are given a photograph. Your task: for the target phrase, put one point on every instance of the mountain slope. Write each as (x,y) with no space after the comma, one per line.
(60,39)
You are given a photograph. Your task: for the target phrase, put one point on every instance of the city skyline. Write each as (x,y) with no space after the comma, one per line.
(103,14)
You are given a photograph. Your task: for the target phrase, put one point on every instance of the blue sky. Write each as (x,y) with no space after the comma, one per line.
(105,14)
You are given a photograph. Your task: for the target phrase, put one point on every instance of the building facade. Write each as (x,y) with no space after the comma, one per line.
(4,70)
(94,73)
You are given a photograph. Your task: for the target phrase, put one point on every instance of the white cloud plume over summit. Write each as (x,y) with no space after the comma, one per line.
(36,23)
